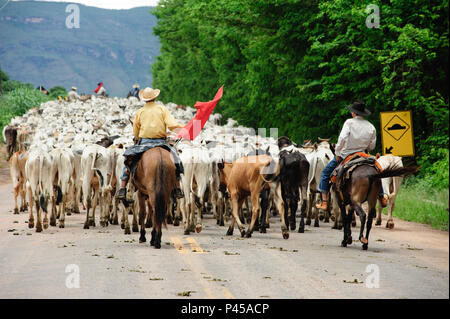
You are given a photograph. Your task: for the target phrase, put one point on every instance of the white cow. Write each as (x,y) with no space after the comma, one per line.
(391,186)
(39,184)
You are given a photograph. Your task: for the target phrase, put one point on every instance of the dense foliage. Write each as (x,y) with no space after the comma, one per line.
(18,97)
(295,64)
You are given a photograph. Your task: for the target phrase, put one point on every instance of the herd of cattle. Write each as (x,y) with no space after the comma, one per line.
(67,155)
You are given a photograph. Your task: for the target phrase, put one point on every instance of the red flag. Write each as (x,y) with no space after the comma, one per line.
(98,88)
(204,110)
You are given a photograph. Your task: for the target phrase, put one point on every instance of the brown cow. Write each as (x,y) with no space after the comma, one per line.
(247,176)
(17,171)
(10,137)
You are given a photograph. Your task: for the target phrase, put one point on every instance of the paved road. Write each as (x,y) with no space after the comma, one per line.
(412,259)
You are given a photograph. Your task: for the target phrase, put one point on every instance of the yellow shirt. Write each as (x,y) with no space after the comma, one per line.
(152,121)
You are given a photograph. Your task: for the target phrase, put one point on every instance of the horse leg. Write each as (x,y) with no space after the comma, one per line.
(142,215)
(135,227)
(149,223)
(379,214)
(353,218)
(264,206)
(372,214)
(362,216)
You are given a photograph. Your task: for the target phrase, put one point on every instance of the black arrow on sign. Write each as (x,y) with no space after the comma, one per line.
(388,150)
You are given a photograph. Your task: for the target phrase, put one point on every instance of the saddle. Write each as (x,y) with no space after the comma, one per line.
(134,153)
(343,171)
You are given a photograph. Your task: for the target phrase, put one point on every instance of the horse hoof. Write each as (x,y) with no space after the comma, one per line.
(92,223)
(61,225)
(248,234)
(308,222)
(327,220)
(344,243)
(364,240)
(321,217)
(390,225)
(285,235)
(122,225)
(262,230)
(365,246)
(114,222)
(38,228)
(135,229)
(16,211)
(353,224)
(229,232)
(86,226)
(222,223)
(127,231)
(378,223)
(198,229)
(53,222)
(157,245)
(175,223)
(243,233)
(293,226)
(45,225)
(301,230)
(68,213)
(187,232)
(316,223)
(142,240)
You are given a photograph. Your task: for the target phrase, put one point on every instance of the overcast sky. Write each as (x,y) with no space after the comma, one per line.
(110,4)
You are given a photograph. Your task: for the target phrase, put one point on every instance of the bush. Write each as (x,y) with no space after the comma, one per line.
(18,101)
(11,85)
(56,91)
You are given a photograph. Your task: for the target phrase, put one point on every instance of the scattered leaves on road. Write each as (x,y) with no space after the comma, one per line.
(185,293)
(354,281)
(230,254)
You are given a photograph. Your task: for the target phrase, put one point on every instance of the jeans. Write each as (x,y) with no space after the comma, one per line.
(324,186)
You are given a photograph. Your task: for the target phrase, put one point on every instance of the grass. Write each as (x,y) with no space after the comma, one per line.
(420,204)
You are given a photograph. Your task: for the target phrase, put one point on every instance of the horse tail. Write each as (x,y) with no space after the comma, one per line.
(161,188)
(393,171)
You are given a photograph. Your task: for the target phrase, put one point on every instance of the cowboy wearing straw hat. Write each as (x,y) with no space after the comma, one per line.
(357,135)
(150,127)
(73,95)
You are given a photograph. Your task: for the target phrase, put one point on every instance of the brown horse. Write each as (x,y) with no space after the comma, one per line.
(363,185)
(155,179)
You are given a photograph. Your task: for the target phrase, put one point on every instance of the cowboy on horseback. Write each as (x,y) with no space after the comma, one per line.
(150,127)
(357,135)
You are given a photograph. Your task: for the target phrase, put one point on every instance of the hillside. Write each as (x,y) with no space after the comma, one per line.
(113,46)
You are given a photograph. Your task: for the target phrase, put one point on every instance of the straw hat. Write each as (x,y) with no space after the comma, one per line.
(148,94)
(74,88)
(135,86)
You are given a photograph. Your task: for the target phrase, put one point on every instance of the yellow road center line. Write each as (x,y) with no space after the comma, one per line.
(195,246)
(178,245)
(228,294)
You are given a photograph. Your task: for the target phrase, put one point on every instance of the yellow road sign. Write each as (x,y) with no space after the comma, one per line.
(397,133)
